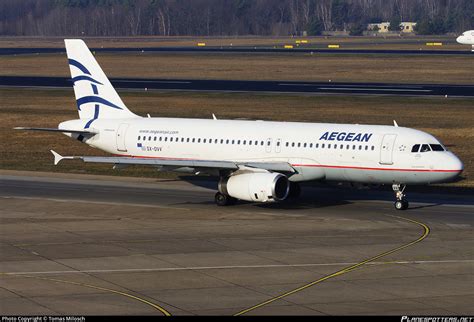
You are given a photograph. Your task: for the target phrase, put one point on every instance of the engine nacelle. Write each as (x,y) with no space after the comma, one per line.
(256,186)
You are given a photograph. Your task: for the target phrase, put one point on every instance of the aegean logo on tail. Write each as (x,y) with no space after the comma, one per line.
(343,136)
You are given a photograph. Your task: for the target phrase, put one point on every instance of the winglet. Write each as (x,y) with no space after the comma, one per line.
(57,157)
(395,123)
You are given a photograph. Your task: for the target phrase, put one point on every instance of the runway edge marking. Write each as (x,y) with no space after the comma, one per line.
(155,306)
(426,231)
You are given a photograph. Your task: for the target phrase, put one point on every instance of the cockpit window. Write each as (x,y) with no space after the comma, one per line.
(425,148)
(415,148)
(436,147)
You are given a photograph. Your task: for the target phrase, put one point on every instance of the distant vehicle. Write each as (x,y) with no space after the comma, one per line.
(256,161)
(467,38)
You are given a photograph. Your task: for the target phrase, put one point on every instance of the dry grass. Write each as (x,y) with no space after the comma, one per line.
(449,119)
(298,67)
(368,42)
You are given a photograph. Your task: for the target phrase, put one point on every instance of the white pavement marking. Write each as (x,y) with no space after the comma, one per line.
(166,269)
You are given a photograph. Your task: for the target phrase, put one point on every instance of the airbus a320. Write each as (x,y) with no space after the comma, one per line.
(257,161)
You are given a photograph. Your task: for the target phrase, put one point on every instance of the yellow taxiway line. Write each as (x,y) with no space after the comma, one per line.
(426,231)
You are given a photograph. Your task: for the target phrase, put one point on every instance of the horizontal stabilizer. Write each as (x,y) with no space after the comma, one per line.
(54,130)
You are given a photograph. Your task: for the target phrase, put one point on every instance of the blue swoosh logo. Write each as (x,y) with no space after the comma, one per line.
(95,99)
(87,78)
(77,64)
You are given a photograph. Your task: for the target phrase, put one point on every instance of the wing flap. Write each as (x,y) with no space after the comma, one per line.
(178,163)
(163,162)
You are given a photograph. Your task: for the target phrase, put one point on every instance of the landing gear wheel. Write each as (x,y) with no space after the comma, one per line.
(223,200)
(295,190)
(401,205)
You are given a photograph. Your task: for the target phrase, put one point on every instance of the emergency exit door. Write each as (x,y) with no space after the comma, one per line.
(121,132)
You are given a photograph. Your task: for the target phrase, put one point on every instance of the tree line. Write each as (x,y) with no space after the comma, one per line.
(226,17)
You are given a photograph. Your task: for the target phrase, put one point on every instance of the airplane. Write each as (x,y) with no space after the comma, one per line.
(256,161)
(467,38)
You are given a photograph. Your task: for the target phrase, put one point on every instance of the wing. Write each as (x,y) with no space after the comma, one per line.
(171,164)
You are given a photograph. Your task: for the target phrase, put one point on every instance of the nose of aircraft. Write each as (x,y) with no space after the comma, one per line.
(460,39)
(454,166)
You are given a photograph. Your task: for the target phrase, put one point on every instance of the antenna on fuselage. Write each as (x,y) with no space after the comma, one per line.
(395,123)
(214,117)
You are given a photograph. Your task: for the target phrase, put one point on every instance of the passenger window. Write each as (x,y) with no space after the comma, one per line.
(261,143)
(204,141)
(166,139)
(194,140)
(329,146)
(139,138)
(227,141)
(366,148)
(304,145)
(292,144)
(287,143)
(250,142)
(353,147)
(348,147)
(299,144)
(322,145)
(199,140)
(373,148)
(425,148)
(233,141)
(317,145)
(360,147)
(342,146)
(415,148)
(238,141)
(311,145)
(278,143)
(149,138)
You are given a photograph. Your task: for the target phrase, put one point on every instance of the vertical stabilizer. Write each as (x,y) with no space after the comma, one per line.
(95,96)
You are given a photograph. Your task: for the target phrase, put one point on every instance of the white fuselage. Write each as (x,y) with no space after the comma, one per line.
(467,38)
(318,151)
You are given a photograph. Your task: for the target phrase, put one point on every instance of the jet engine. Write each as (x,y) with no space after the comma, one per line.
(256,186)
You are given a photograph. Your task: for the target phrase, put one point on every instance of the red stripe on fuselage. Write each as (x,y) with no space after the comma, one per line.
(309,165)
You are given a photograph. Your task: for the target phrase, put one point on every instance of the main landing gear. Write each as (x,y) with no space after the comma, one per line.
(224,200)
(401,203)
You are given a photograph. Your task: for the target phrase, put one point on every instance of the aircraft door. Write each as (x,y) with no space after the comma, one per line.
(121,131)
(386,149)
(278,146)
(268,145)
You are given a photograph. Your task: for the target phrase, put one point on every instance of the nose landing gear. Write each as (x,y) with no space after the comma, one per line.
(401,203)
